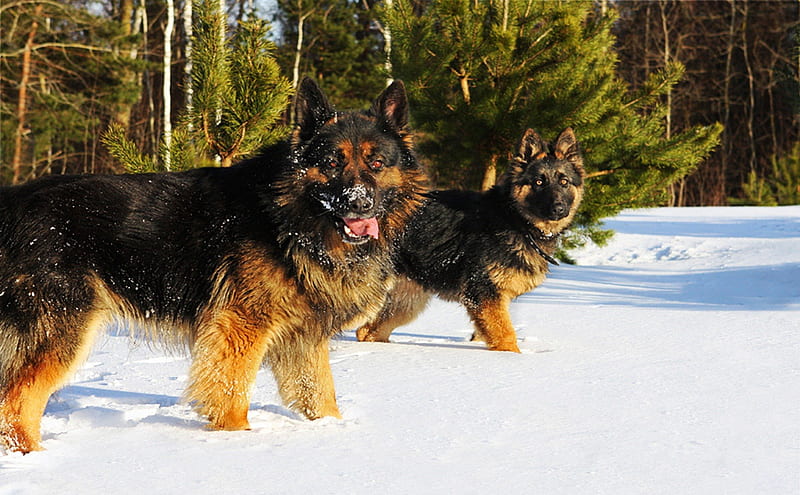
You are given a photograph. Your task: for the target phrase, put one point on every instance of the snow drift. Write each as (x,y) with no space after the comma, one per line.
(666,362)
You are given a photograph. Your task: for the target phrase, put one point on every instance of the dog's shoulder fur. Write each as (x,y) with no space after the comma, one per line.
(459,238)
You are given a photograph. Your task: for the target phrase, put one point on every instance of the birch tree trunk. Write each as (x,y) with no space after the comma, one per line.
(167,86)
(187,68)
(387,47)
(222,26)
(299,46)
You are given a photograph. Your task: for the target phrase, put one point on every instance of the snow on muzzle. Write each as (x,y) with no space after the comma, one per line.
(356,207)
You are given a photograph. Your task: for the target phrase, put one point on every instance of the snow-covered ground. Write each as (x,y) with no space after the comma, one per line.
(667,362)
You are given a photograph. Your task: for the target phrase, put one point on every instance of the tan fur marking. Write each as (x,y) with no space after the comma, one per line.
(521,192)
(226,358)
(403,303)
(493,325)
(314,174)
(22,408)
(367,149)
(348,153)
(391,177)
(262,314)
(232,337)
(302,369)
(407,138)
(514,282)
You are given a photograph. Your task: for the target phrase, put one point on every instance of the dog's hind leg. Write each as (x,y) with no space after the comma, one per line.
(227,353)
(403,303)
(493,324)
(302,369)
(24,401)
(26,388)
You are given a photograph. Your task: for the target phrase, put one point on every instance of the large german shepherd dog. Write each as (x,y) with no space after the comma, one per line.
(485,249)
(260,262)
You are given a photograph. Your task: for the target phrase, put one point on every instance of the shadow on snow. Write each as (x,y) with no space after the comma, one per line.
(768,287)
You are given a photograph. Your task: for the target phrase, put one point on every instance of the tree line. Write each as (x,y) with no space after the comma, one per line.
(676,102)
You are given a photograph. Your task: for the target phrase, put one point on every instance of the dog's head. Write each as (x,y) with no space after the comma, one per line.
(545,181)
(355,174)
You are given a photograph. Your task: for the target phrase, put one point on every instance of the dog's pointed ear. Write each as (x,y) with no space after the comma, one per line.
(567,148)
(530,146)
(392,106)
(311,109)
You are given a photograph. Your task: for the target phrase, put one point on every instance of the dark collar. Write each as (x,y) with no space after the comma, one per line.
(534,235)
(531,238)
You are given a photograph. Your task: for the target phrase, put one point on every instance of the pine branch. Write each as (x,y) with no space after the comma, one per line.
(125,150)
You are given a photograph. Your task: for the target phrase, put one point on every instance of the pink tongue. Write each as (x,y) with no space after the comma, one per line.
(363,226)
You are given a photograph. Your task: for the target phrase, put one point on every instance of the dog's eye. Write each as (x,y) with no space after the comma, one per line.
(376,164)
(539,182)
(563,181)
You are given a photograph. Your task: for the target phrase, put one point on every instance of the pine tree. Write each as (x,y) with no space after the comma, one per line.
(341,47)
(480,72)
(782,187)
(786,177)
(61,82)
(238,99)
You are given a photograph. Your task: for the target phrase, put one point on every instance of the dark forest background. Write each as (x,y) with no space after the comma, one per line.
(70,70)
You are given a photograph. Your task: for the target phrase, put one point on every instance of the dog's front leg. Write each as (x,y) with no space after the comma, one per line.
(493,324)
(302,369)
(227,354)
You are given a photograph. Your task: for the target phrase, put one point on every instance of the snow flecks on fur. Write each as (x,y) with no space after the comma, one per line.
(356,193)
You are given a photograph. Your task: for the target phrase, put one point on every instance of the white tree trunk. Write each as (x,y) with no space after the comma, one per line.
(167,86)
(187,68)
(387,47)
(299,46)
(223,15)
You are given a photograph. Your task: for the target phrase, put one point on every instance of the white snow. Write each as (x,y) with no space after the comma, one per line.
(667,362)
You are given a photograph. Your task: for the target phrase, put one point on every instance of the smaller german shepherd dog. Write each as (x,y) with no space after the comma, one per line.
(485,249)
(260,262)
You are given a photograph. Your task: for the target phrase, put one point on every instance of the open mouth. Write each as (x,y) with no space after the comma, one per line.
(359,230)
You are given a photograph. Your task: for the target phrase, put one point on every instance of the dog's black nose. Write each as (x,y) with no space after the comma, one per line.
(361,204)
(559,210)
